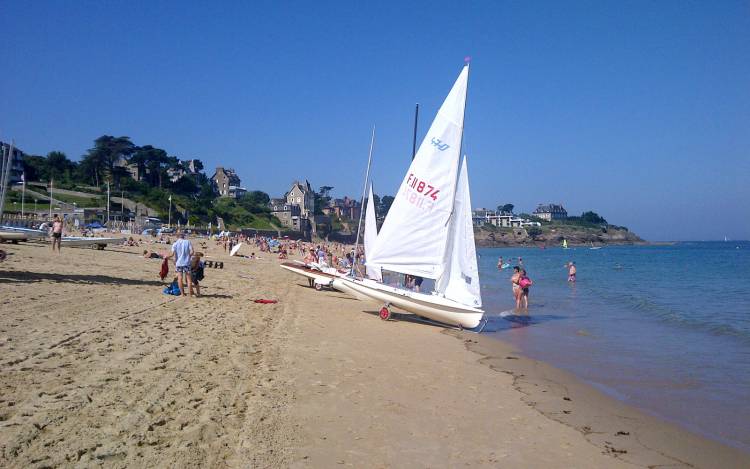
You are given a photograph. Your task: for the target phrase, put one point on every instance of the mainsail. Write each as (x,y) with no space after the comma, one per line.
(460,281)
(371,234)
(414,235)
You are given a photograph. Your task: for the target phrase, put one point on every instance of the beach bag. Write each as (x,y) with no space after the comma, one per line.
(164,269)
(173,289)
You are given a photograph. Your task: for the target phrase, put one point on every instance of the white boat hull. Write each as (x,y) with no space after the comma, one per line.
(13,236)
(84,241)
(12,232)
(429,306)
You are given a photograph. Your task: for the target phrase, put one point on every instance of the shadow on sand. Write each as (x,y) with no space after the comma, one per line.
(504,322)
(23,277)
(215,295)
(412,318)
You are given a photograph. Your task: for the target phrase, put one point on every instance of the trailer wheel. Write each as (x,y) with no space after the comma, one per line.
(318,286)
(385,313)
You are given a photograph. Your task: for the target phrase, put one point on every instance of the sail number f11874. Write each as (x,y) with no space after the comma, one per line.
(420,194)
(422,187)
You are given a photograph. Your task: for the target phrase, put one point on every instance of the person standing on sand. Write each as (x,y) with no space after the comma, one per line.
(514,279)
(57,230)
(572,272)
(182,251)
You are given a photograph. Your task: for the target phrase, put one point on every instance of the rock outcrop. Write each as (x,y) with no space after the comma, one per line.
(553,236)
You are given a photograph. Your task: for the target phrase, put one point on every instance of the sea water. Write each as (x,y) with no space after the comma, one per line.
(664,328)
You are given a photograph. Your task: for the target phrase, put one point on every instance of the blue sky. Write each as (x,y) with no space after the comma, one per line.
(639,111)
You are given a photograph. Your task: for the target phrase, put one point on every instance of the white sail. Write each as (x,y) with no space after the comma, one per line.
(460,281)
(371,234)
(414,235)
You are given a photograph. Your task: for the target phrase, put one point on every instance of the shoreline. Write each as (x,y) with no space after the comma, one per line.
(617,428)
(100,367)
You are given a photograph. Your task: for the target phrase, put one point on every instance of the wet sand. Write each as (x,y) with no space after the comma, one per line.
(100,368)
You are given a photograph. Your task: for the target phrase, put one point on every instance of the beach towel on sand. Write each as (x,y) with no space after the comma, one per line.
(164,269)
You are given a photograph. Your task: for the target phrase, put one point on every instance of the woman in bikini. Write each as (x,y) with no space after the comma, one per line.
(514,280)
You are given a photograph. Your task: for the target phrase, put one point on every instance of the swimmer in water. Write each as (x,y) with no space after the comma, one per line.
(500,263)
(572,272)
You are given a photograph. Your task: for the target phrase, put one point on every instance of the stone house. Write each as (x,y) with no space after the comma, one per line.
(346,208)
(550,212)
(303,196)
(16,162)
(226,183)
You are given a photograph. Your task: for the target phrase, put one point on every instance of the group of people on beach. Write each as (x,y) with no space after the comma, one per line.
(189,266)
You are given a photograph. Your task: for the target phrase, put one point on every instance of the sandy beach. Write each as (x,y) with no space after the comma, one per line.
(100,368)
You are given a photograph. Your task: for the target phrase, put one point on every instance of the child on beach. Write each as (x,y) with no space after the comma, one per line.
(524,283)
(197,272)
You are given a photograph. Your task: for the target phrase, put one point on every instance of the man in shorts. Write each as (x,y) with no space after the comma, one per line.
(182,251)
(57,230)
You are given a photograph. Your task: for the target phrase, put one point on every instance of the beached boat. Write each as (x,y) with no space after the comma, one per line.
(318,276)
(13,236)
(83,241)
(428,231)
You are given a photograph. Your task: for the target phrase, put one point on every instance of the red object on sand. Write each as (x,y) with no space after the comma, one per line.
(164,269)
(266,302)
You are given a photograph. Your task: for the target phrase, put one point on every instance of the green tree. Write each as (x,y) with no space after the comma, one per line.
(385,204)
(321,199)
(533,231)
(35,168)
(507,208)
(256,201)
(593,217)
(58,165)
(100,160)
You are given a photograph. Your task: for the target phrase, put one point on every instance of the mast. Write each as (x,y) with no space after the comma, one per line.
(7,159)
(51,183)
(364,193)
(23,191)
(467,61)
(414,140)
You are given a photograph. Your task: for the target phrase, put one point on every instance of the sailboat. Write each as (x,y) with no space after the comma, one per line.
(428,231)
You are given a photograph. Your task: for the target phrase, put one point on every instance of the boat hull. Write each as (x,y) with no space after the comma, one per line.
(85,241)
(13,236)
(316,275)
(428,306)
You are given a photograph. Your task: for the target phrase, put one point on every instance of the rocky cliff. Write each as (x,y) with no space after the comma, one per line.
(553,235)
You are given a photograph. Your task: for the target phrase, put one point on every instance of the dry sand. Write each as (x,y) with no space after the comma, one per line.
(99,368)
